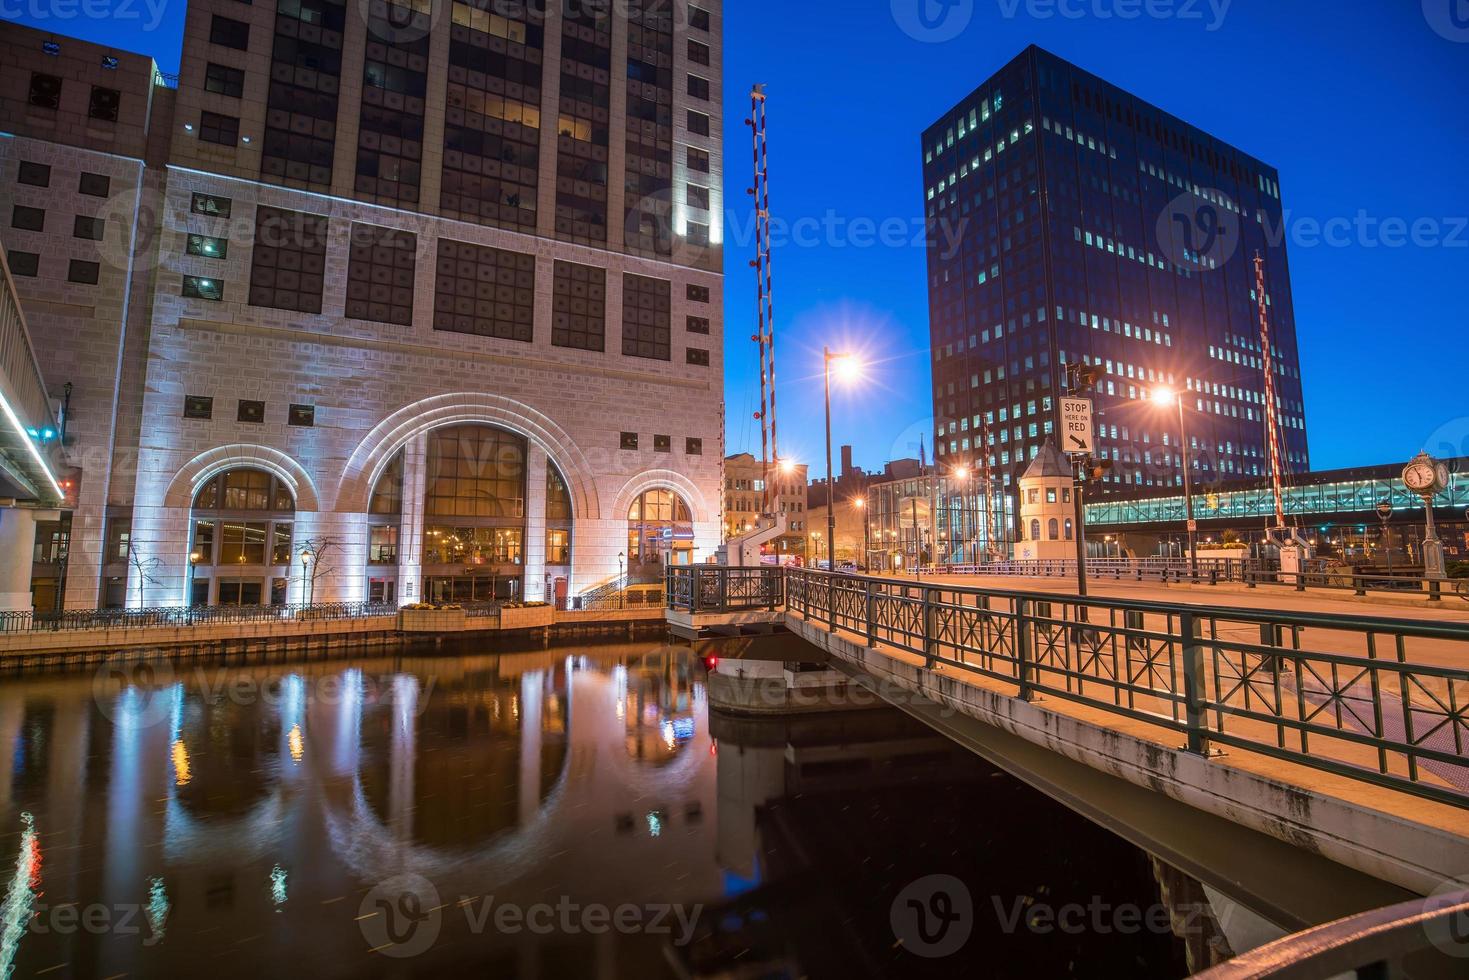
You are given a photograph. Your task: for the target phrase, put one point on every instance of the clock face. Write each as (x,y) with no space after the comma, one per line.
(1442,471)
(1419,476)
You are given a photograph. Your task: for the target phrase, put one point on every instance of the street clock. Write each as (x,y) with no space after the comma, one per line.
(1426,476)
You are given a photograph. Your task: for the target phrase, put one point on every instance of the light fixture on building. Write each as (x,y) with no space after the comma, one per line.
(109,62)
(244,139)
(188,127)
(51,47)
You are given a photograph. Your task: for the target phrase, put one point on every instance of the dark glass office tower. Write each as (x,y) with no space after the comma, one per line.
(1072,222)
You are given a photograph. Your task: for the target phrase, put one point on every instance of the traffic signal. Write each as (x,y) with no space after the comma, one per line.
(70,479)
(1084,378)
(1096,470)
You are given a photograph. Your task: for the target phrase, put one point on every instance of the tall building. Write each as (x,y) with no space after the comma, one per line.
(1071,222)
(379,301)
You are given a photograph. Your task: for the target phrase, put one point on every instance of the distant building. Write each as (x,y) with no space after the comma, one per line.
(744,494)
(1071,222)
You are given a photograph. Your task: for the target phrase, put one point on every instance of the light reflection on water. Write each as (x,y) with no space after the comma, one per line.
(372,817)
(217,798)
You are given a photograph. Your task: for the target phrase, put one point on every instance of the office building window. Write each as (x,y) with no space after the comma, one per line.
(198,407)
(94,185)
(104,103)
(301,103)
(34,174)
(23,263)
(27,219)
(302,416)
(201,287)
(579,306)
(381,268)
(224,80)
(693,447)
(250,411)
(484,291)
(82,271)
(696,294)
(287,268)
(698,52)
(211,205)
(698,324)
(45,90)
(86,227)
(697,357)
(229,33)
(629,440)
(698,18)
(699,88)
(206,247)
(217,128)
(698,160)
(646,327)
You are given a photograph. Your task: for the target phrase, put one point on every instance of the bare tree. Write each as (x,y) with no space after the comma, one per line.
(319,554)
(143,569)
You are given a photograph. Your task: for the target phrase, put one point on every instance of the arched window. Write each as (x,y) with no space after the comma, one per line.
(1068,529)
(660,528)
(384,518)
(1054,528)
(240,545)
(558,519)
(474,514)
(1035,530)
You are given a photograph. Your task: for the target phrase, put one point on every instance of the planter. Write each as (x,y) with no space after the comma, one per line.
(533,617)
(431,620)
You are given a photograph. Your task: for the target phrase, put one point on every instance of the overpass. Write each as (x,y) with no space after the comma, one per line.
(30,440)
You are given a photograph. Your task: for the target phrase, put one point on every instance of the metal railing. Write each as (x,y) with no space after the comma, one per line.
(175,616)
(720,588)
(638,599)
(1337,693)
(1208,570)
(1345,579)
(1373,944)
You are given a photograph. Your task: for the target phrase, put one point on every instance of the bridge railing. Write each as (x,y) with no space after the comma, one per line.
(1335,693)
(1208,570)
(721,588)
(174,616)
(1420,938)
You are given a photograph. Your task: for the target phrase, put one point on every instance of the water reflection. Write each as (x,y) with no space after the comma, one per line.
(251,819)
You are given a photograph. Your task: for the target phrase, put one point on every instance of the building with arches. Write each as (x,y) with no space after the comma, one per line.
(446,325)
(1047,512)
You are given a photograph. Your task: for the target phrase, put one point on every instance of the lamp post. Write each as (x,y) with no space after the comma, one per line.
(861,504)
(1384,514)
(621,585)
(194,559)
(306,579)
(961,477)
(1165,397)
(850,368)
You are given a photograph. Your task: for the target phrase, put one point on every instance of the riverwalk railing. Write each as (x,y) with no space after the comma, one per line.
(1220,571)
(1336,693)
(174,616)
(720,588)
(1380,943)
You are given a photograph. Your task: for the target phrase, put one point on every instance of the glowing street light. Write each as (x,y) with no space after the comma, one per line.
(849,370)
(1168,398)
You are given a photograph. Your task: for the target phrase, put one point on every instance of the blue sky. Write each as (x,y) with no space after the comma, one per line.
(1359,106)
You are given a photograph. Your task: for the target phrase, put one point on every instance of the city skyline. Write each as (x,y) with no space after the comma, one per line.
(836,280)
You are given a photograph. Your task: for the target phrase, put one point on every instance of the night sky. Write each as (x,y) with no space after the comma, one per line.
(1359,106)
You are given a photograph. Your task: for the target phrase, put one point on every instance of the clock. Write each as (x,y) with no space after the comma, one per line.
(1442,471)
(1423,475)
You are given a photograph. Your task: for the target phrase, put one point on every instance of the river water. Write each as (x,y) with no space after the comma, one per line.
(573,812)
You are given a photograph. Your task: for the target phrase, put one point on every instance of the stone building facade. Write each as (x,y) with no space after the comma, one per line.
(415,306)
(744,495)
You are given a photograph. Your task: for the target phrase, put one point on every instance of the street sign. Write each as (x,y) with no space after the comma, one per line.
(1076,427)
(1193,526)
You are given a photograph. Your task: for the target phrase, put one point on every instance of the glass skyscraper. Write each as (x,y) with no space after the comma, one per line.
(1069,221)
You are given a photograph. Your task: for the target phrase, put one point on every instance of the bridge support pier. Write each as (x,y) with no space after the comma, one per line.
(17,548)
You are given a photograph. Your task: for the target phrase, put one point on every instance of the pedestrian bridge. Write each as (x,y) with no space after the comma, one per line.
(1237,743)
(29,435)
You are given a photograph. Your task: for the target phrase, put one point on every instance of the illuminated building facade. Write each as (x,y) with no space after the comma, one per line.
(1072,222)
(413,304)
(744,495)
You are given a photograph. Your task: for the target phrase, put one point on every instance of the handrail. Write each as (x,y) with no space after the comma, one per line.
(176,616)
(1335,693)
(1372,943)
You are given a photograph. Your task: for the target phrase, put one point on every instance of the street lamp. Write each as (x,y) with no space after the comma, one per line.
(861,504)
(961,476)
(848,370)
(194,559)
(622,585)
(1166,397)
(1384,514)
(307,580)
